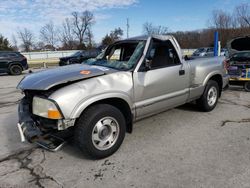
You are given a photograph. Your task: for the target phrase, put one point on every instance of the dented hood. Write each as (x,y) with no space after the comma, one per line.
(238,44)
(47,79)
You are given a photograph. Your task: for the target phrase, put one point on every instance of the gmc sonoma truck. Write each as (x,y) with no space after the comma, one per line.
(96,102)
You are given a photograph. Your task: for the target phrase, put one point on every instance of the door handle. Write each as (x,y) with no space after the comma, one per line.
(181,72)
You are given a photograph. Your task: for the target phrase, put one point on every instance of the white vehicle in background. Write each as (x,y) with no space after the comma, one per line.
(207,52)
(204,52)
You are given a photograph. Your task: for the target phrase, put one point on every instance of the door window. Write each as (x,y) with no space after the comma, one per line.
(3,56)
(163,54)
(12,55)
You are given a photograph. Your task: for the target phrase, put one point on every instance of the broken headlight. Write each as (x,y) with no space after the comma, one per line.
(45,108)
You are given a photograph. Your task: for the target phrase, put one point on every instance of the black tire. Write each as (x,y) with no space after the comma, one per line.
(203,102)
(247,86)
(15,70)
(86,126)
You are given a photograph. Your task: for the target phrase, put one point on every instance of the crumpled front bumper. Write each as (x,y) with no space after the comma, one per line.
(30,130)
(26,125)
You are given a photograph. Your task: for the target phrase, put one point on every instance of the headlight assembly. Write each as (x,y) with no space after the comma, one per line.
(45,108)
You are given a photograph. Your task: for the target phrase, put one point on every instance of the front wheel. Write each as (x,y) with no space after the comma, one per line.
(247,86)
(100,131)
(15,70)
(209,99)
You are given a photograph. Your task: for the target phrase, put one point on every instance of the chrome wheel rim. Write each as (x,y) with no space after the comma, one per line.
(16,70)
(105,133)
(212,96)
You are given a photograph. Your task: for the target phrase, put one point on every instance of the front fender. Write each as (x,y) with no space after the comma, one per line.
(93,99)
(74,98)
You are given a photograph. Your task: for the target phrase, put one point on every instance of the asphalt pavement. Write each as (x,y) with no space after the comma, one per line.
(182,147)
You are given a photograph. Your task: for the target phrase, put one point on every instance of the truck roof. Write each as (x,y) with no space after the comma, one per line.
(145,37)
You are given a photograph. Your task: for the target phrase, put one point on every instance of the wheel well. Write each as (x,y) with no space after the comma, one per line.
(217,78)
(10,65)
(123,107)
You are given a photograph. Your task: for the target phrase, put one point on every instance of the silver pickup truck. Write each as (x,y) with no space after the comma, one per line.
(97,102)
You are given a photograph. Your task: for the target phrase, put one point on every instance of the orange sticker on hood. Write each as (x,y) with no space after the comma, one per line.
(85,72)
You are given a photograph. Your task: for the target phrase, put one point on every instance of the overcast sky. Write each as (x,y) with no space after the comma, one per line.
(109,14)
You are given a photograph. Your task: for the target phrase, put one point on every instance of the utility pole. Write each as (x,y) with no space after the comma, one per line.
(127,28)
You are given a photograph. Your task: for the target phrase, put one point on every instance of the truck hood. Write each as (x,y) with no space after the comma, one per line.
(47,79)
(238,44)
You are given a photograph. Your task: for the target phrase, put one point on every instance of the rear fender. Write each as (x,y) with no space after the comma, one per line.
(210,75)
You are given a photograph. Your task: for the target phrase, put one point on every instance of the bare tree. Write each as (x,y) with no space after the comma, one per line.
(221,19)
(40,45)
(27,38)
(81,22)
(49,34)
(89,38)
(14,42)
(242,13)
(66,35)
(150,29)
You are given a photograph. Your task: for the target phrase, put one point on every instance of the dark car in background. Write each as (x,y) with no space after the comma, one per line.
(12,63)
(79,57)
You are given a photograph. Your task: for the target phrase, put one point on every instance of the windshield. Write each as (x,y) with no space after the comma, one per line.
(76,54)
(121,56)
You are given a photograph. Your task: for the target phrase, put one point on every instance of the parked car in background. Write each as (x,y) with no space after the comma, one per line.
(98,100)
(12,63)
(238,63)
(207,52)
(203,52)
(224,52)
(79,57)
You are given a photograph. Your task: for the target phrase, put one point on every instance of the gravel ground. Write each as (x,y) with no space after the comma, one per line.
(179,148)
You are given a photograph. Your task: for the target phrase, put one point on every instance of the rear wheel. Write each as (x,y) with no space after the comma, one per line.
(15,70)
(247,86)
(100,131)
(209,99)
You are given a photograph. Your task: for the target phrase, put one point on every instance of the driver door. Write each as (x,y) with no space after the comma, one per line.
(164,85)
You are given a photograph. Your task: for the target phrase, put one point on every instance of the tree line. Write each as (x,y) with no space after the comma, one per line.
(76,32)
(229,25)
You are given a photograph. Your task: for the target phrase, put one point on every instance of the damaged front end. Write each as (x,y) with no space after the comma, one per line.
(48,132)
(40,118)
